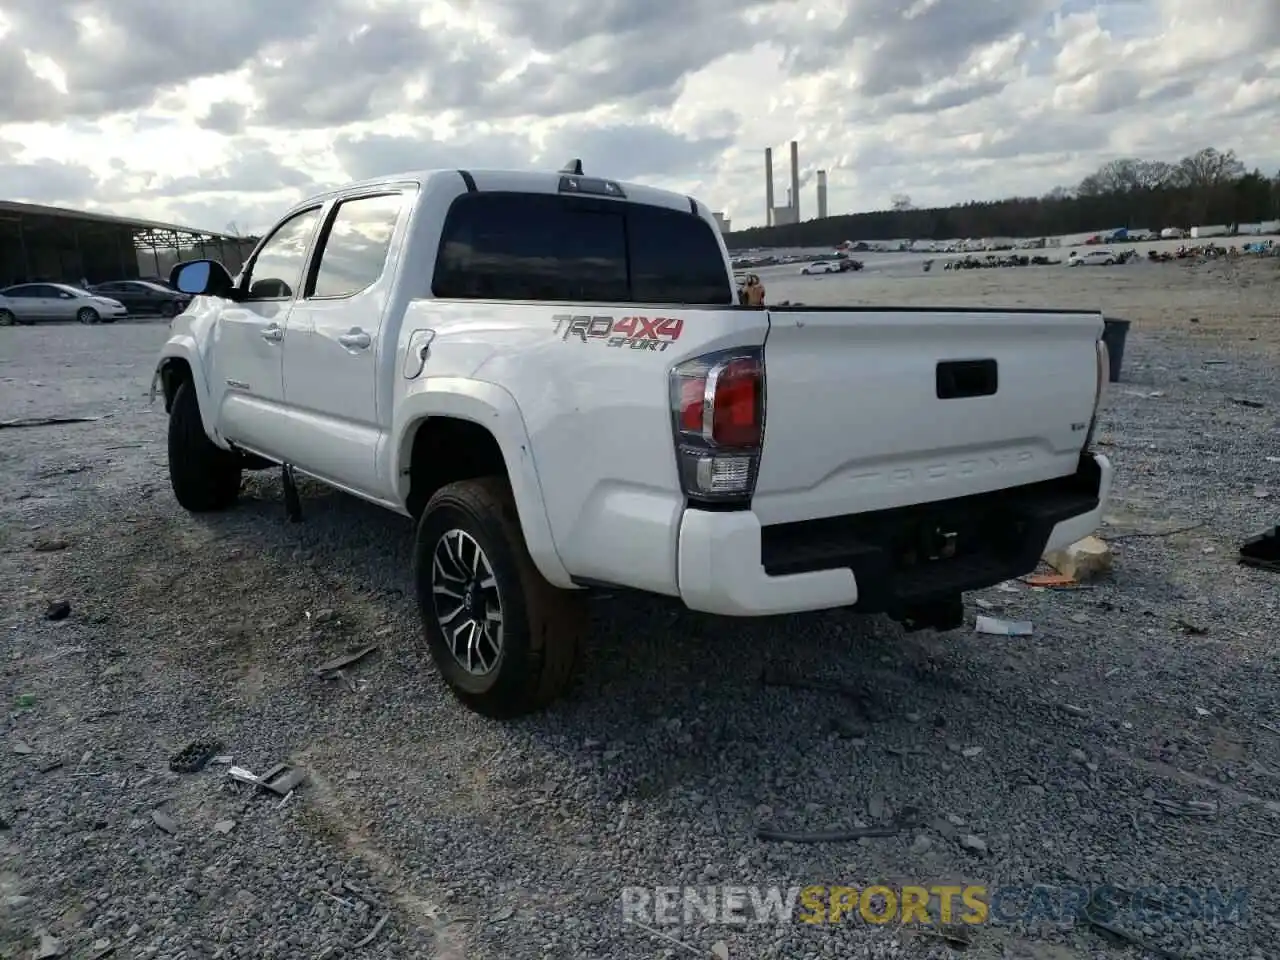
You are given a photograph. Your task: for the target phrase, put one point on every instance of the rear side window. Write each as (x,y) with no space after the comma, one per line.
(520,246)
(355,250)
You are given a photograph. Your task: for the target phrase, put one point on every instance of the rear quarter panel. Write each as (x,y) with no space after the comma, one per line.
(595,406)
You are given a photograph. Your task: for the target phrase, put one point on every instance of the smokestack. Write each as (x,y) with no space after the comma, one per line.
(822,194)
(768,186)
(795,181)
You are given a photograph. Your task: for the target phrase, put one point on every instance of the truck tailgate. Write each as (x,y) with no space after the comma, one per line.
(872,409)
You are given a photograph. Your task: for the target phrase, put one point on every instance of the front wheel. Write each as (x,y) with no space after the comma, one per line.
(168,309)
(7,319)
(204,477)
(87,315)
(504,639)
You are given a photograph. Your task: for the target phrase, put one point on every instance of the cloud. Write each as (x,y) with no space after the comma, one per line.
(41,182)
(379,154)
(233,111)
(225,116)
(253,168)
(621,151)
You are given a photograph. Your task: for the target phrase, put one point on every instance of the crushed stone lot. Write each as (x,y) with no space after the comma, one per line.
(1132,740)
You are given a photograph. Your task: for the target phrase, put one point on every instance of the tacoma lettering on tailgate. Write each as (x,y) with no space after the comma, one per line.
(636,333)
(966,469)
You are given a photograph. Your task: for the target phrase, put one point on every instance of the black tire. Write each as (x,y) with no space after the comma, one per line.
(204,477)
(87,315)
(542,627)
(168,309)
(7,319)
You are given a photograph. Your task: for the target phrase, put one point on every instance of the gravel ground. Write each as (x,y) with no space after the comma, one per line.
(1158,685)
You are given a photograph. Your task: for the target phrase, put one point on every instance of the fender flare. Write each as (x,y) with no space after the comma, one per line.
(184,348)
(494,408)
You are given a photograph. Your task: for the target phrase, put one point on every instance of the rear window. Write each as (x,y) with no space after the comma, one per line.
(522,246)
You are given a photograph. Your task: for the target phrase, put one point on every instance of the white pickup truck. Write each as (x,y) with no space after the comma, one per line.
(551,374)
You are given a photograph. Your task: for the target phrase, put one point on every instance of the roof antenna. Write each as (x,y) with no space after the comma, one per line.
(573,167)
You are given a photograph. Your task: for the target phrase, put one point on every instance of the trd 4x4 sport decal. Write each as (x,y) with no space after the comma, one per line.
(637,333)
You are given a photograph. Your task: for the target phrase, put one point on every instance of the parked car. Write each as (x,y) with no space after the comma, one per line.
(821,266)
(144,297)
(1094,258)
(29,303)
(846,264)
(549,372)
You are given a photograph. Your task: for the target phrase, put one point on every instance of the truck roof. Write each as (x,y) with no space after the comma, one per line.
(526,181)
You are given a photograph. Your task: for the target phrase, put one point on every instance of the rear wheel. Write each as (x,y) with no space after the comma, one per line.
(204,477)
(504,639)
(87,315)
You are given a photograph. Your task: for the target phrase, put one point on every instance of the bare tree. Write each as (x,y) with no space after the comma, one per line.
(901,201)
(1092,186)
(1060,193)
(1210,168)
(1154,174)
(1127,175)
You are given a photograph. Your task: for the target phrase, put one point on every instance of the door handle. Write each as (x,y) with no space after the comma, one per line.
(273,333)
(356,339)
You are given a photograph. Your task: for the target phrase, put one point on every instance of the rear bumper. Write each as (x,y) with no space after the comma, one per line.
(729,564)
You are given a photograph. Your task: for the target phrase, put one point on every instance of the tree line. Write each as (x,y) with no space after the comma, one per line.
(1207,187)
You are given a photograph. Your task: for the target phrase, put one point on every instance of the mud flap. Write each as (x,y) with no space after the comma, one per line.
(940,615)
(1262,551)
(292,502)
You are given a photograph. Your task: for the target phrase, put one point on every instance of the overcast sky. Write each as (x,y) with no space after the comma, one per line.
(208,113)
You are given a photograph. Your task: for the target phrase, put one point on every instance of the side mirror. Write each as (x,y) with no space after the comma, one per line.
(202,278)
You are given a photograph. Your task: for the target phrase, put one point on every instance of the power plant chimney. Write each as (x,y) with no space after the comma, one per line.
(795,182)
(822,194)
(768,186)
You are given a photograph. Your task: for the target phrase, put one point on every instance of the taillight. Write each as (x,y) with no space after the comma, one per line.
(717,407)
(1104,376)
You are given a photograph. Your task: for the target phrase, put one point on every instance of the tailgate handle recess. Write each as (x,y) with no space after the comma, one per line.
(958,379)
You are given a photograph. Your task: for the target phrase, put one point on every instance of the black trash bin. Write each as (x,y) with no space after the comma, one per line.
(1113,335)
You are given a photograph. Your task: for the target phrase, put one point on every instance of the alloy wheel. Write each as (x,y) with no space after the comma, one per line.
(468,604)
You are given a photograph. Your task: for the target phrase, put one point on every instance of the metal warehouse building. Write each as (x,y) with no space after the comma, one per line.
(52,244)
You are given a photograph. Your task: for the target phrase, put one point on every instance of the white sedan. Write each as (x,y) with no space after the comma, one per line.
(821,266)
(32,302)
(1094,258)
